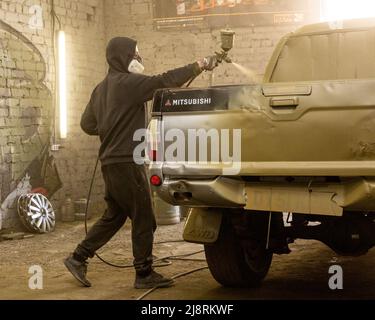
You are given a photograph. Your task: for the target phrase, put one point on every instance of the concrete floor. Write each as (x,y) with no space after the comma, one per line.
(301,275)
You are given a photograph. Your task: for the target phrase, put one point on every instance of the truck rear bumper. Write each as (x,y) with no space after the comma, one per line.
(215,192)
(318,198)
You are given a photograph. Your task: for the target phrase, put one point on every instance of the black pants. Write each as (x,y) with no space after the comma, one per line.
(127,193)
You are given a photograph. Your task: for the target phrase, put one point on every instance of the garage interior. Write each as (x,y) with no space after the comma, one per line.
(52,56)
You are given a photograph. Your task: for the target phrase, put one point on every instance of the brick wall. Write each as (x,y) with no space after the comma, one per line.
(168,49)
(26,106)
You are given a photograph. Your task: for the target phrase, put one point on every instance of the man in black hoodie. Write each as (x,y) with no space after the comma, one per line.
(115,112)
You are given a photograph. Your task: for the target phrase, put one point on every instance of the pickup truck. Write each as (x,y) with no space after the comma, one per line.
(302,142)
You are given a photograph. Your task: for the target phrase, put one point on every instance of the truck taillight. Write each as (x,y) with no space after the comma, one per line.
(153,139)
(156,181)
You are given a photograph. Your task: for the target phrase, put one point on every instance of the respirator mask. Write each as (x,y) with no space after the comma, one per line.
(136,65)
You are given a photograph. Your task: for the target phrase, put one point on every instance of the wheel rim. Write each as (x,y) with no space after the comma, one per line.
(37,213)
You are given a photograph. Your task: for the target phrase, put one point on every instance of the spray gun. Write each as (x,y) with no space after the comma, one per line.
(227,42)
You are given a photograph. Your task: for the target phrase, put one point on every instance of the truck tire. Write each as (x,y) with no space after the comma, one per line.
(231,265)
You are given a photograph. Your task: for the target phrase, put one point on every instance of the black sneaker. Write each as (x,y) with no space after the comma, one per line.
(153,280)
(78,270)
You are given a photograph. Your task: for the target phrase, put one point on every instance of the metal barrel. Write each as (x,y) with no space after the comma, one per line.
(67,211)
(165,213)
(80,209)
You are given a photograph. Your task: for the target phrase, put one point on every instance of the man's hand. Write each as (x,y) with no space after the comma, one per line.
(209,63)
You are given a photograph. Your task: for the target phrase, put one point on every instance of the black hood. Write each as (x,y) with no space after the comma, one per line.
(120,52)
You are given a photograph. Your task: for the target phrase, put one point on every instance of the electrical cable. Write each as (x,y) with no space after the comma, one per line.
(181,256)
(54,18)
(169,241)
(53,13)
(86,214)
(53,36)
(174,277)
(190,82)
(188,259)
(90,192)
(164,261)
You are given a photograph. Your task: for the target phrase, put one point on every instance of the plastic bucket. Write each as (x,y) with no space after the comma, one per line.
(165,213)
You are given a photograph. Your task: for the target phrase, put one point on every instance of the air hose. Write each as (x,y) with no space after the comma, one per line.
(174,277)
(87,209)
(164,262)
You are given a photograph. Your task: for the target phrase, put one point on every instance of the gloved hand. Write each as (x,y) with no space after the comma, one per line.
(209,63)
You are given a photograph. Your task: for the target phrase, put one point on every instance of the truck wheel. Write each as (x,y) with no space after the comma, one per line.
(234,266)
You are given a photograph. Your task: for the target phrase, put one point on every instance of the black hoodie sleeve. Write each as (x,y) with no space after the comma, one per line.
(89,123)
(145,86)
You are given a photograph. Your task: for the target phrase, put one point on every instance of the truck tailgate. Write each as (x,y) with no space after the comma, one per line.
(322,128)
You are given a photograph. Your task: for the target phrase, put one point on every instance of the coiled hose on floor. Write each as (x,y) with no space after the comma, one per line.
(162,262)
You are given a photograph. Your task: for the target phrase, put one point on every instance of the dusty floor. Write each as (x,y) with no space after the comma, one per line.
(301,275)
